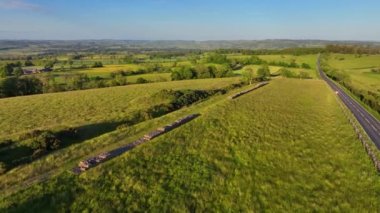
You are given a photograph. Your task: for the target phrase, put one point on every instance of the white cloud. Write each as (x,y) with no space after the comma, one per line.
(19,5)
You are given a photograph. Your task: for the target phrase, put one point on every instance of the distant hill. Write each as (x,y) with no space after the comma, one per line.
(53,46)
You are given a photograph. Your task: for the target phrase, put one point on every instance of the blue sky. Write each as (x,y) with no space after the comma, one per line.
(190,19)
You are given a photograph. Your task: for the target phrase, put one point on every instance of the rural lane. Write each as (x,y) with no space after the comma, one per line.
(369,123)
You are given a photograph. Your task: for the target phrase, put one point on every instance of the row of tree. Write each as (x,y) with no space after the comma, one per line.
(18,86)
(249,75)
(353,49)
(200,71)
(11,69)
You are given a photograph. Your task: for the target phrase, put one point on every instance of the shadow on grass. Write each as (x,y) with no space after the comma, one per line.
(87,132)
(18,154)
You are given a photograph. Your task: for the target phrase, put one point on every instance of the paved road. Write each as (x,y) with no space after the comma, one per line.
(369,123)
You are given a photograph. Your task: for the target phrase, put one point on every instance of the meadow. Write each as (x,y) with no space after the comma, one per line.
(90,113)
(274,149)
(275,70)
(89,106)
(359,69)
(299,59)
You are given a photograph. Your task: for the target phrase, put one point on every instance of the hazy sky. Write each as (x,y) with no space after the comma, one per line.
(190,19)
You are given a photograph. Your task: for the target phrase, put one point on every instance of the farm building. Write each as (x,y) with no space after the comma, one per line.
(35,71)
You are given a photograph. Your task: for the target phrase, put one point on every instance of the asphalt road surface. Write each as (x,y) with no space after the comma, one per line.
(369,123)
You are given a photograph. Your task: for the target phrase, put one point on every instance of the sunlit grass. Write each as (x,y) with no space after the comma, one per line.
(284,147)
(53,110)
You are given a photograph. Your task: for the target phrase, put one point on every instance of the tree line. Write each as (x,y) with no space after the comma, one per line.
(353,49)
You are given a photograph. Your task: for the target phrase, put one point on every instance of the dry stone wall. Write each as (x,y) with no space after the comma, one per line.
(94,161)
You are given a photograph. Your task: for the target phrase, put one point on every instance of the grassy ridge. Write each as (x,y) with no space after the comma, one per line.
(94,136)
(86,107)
(273,149)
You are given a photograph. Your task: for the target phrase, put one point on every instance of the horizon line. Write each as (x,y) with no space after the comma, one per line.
(195,40)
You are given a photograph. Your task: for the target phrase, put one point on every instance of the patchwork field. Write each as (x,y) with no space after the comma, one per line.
(274,149)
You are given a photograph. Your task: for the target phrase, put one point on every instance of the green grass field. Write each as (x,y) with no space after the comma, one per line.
(275,149)
(107,69)
(308,59)
(275,69)
(48,111)
(94,113)
(351,61)
(153,77)
(359,70)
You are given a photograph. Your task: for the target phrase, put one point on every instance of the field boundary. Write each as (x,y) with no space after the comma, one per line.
(103,157)
(248,90)
(362,136)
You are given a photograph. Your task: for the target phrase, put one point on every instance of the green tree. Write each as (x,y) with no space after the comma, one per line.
(183,73)
(17,71)
(49,64)
(286,73)
(304,75)
(7,70)
(216,58)
(97,64)
(204,71)
(141,81)
(78,81)
(248,75)
(263,72)
(70,62)
(222,71)
(128,59)
(305,66)
(28,63)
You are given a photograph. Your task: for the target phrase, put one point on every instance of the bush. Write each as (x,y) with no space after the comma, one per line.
(32,134)
(46,141)
(304,75)
(15,86)
(286,73)
(118,73)
(141,81)
(263,72)
(183,73)
(204,71)
(216,58)
(97,64)
(305,66)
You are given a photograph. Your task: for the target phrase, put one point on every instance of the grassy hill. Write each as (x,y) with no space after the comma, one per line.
(87,107)
(275,149)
